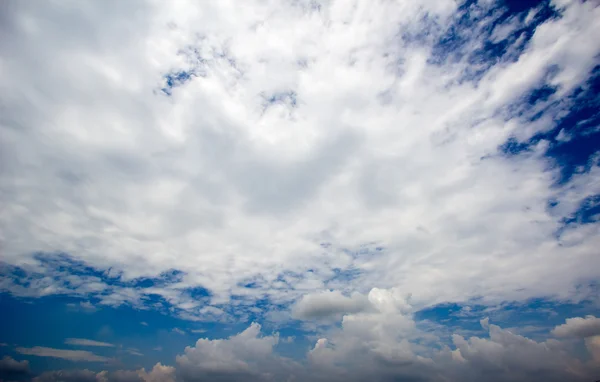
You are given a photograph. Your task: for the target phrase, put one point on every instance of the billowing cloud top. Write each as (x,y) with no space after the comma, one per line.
(324,162)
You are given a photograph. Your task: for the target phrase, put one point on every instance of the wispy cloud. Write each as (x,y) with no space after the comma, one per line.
(86,342)
(71,355)
(134,351)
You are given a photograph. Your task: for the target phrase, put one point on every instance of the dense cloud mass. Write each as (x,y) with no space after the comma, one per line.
(332,165)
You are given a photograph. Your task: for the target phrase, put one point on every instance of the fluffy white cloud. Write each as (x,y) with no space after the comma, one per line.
(578,327)
(245,356)
(312,140)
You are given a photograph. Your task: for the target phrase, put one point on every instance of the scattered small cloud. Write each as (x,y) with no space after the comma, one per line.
(83,307)
(144,323)
(178,331)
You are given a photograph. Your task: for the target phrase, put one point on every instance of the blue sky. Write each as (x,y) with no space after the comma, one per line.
(300,190)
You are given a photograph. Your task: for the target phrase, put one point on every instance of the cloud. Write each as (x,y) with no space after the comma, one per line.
(86,342)
(578,327)
(9,367)
(383,344)
(143,323)
(245,356)
(159,373)
(134,351)
(229,161)
(329,303)
(509,357)
(84,306)
(67,376)
(357,162)
(71,355)
(178,331)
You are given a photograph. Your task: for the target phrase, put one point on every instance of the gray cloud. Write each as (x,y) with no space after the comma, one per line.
(329,304)
(9,367)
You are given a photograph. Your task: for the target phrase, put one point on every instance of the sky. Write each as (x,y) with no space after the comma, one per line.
(299,190)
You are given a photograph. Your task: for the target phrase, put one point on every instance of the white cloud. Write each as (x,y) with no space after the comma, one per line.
(86,342)
(71,355)
(578,327)
(159,373)
(245,356)
(369,146)
(178,331)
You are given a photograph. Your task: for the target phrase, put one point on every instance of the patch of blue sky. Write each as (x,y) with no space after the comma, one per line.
(176,79)
(499,30)
(48,321)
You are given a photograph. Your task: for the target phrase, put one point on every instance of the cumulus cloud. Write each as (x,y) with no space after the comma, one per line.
(245,356)
(579,327)
(86,342)
(71,355)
